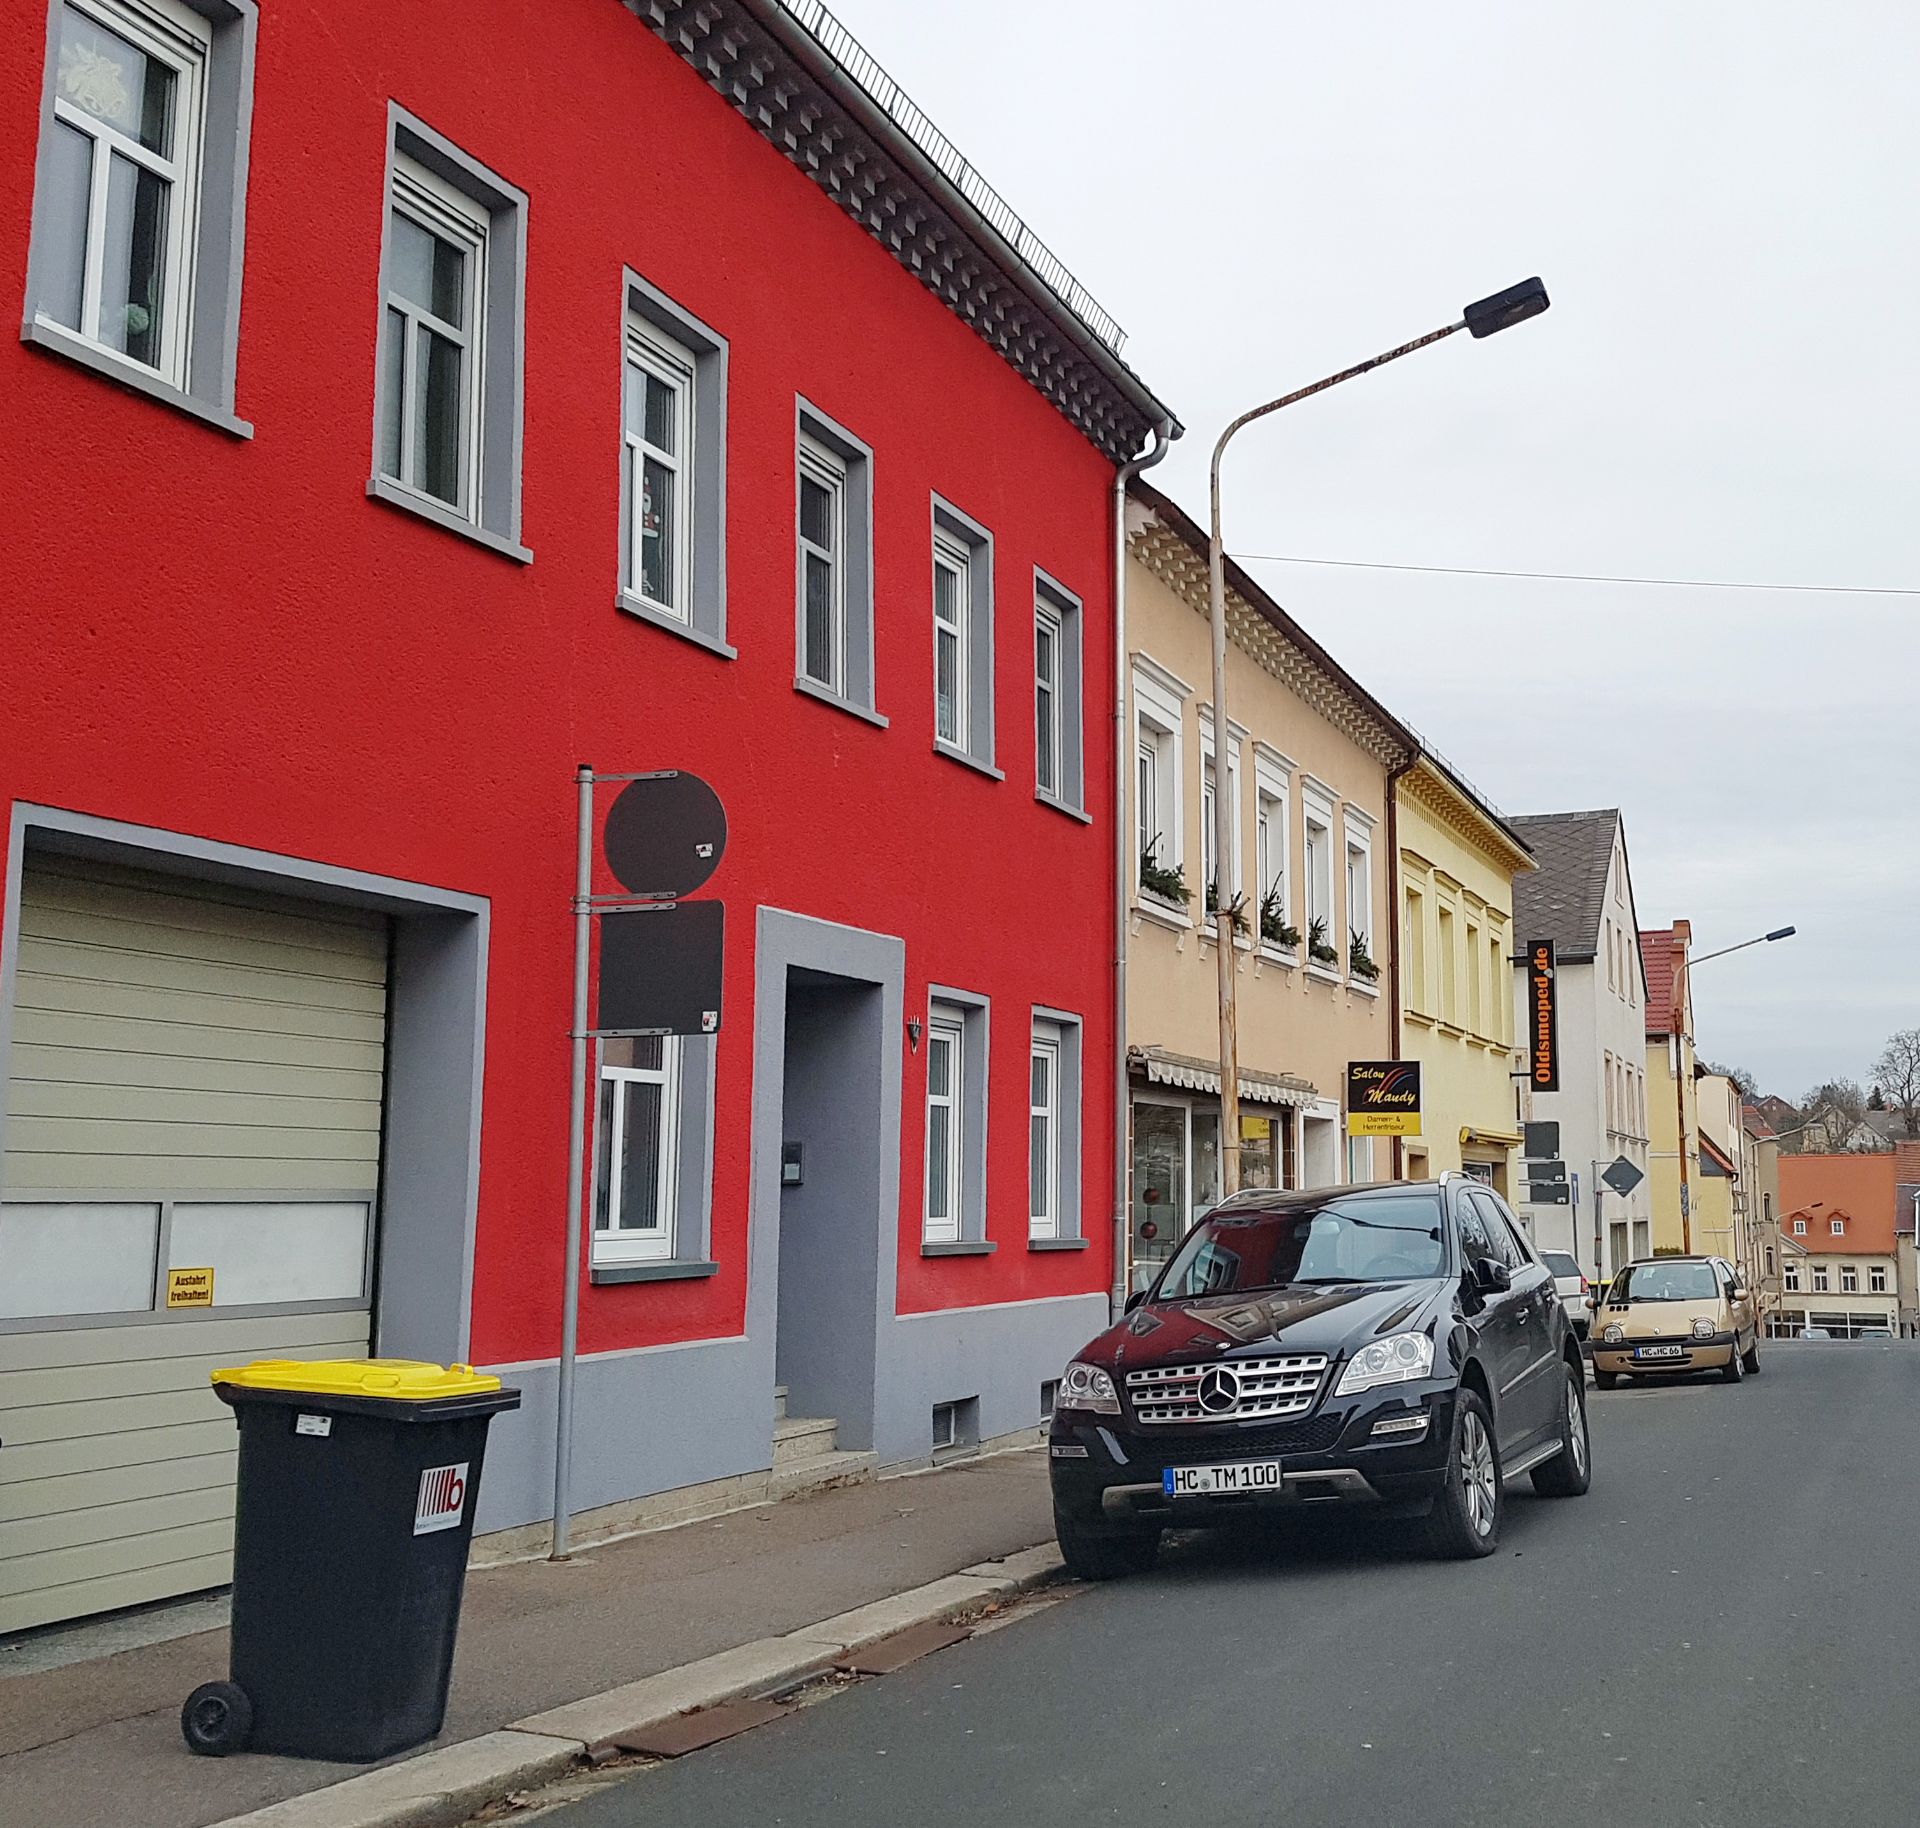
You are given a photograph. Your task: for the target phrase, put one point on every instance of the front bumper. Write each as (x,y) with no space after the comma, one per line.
(1107,1471)
(1695,1355)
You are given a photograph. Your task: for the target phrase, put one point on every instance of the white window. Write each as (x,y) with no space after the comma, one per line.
(952,639)
(1819,1278)
(1359,894)
(639,1115)
(1473,978)
(945,1104)
(1790,1278)
(1210,874)
(1877,1279)
(1613,1118)
(823,577)
(1159,725)
(1799,1228)
(120,186)
(432,351)
(660,476)
(1849,1279)
(1048,699)
(1359,1159)
(1613,956)
(1271,782)
(1414,949)
(1839,1228)
(1043,1139)
(1449,969)
(1323,936)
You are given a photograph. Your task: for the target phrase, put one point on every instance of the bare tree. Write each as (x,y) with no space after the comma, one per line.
(1743,1081)
(1897,1077)
(1832,1113)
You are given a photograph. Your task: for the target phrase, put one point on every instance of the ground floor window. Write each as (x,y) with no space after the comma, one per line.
(639,1115)
(1269,1149)
(1359,1159)
(1176,1176)
(1642,1239)
(1617,1257)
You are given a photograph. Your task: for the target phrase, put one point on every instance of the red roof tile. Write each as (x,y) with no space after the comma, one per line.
(1656,954)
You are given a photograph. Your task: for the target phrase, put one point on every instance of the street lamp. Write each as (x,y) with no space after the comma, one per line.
(1680,1082)
(1483,318)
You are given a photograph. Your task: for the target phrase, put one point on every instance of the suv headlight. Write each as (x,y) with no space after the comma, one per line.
(1613,1333)
(1088,1387)
(1703,1328)
(1398,1360)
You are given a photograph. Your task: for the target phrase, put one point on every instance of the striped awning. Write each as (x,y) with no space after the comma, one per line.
(1159,1067)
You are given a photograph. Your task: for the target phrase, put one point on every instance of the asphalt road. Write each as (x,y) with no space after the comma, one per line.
(1723,1632)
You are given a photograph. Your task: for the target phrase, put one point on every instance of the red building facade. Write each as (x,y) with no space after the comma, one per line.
(412,405)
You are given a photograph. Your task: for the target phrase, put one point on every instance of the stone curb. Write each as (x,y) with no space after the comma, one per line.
(442,1788)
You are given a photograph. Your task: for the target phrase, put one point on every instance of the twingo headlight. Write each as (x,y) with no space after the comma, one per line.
(1613,1334)
(1088,1387)
(1703,1328)
(1398,1360)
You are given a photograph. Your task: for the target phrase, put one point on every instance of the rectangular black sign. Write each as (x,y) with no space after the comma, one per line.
(1542,1139)
(1543,1025)
(1383,1098)
(660,969)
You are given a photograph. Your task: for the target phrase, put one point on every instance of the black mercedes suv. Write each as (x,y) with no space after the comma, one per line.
(1397,1344)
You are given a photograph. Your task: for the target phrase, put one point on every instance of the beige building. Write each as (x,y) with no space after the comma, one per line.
(1458,859)
(1308,759)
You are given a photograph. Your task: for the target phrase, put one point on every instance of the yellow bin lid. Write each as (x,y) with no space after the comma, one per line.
(398,1380)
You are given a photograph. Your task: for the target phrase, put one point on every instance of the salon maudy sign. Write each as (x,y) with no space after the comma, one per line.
(1383,1098)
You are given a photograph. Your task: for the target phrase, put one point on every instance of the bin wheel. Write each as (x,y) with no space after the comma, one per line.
(217,1719)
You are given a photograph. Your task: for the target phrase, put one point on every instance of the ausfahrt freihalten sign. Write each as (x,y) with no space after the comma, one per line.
(1543,1019)
(660,969)
(665,834)
(1383,1098)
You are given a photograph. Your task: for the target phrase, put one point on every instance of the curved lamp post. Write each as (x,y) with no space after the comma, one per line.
(1483,318)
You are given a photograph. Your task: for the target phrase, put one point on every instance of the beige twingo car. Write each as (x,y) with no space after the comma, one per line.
(1675,1314)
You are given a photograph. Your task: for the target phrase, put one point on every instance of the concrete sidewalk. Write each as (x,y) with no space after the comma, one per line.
(99,1741)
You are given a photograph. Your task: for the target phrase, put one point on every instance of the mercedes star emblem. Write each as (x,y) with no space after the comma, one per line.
(1219,1390)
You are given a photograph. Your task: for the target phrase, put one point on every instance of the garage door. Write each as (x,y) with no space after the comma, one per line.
(192,1152)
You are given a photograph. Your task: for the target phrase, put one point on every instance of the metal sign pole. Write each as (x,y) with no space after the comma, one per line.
(576,1166)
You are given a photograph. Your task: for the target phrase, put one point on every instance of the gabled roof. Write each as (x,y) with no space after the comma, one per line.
(1656,959)
(1565,895)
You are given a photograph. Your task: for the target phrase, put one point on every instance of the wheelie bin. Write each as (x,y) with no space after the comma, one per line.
(354,1510)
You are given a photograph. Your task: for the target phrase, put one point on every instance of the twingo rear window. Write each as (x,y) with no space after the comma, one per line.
(1559,1263)
(1344,1238)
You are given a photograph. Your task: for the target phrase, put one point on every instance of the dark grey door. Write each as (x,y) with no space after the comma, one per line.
(1533,1397)
(1504,1337)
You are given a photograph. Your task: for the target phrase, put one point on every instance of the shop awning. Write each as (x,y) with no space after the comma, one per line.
(1489,1139)
(1160,1067)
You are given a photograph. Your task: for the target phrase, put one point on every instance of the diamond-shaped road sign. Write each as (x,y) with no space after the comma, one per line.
(1623,1176)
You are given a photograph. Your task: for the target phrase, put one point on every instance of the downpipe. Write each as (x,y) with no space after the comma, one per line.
(1163,436)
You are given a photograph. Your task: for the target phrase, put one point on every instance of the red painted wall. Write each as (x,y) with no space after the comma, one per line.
(228,638)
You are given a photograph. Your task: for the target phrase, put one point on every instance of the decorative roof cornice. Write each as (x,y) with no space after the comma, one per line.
(888,168)
(1434,789)
(1171,548)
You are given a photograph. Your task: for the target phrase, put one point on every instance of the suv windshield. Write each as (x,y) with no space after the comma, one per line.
(1356,1238)
(1666,1282)
(1559,1263)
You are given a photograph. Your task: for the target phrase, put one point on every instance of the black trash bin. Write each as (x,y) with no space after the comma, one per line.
(356,1495)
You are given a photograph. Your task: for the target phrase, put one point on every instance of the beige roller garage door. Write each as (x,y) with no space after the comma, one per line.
(193,1086)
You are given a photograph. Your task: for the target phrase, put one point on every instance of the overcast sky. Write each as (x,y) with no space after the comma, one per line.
(1720,196)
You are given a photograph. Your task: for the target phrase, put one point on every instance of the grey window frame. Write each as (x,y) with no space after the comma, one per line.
(855,693)
(972,1014)
(965,535)
(1053,599)
(1065,1031)
(690,1252)
(494,521)
(219,239)
(705,472)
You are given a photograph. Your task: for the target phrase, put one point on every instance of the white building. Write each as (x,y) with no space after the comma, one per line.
(1581,898)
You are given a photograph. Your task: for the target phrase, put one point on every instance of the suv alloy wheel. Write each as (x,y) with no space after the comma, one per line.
(1465,1521)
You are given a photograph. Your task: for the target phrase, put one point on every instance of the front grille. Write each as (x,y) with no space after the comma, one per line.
(1315,1435)
(1235,1390)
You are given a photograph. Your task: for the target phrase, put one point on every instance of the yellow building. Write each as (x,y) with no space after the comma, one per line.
(1673,1104)
(1457,860)
(1309,754)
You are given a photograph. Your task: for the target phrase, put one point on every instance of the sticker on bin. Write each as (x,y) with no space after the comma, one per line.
(321,1425)
(443,1496)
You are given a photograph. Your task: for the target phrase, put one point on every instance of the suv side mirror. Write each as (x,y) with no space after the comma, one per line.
(1491,1277)
(1134,1300)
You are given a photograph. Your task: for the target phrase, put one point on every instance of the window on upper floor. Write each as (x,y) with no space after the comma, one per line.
(1210,873)
(1271,782)
(834,559)
(1849,1279)
(1474,1017)
(140,197)
(1159,726)
(1499,1005)
(1613,957)
(1059,748)
(1449,969)
(1839,1228)
(962,637)
(1612,1114)
(1877,1279)
(447,384)
(1357,940)
(1799,1228)
(1790,1278)
(1323,929)
(1819,1278)
(673,469)
(1414,949)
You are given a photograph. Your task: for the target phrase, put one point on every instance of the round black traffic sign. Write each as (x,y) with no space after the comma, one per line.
(665,834)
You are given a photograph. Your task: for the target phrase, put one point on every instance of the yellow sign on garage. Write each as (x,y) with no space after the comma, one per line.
(189,1288)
